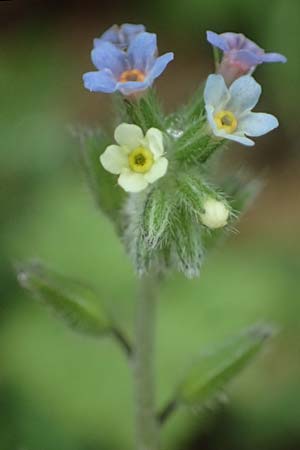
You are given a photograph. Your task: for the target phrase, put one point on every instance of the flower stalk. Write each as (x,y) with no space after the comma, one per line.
(144,367)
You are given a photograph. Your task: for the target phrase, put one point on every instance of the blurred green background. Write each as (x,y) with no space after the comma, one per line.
(61,391)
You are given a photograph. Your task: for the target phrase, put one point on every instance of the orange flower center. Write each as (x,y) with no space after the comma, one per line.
(132,75)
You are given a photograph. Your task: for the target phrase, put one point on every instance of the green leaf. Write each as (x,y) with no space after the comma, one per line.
(218,366)
(75,303)
(108,196)
(145,111)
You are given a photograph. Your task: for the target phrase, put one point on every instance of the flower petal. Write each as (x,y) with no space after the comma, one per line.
(235,41)
(245,93)
(160,64)
(132,182)
(130,87)
(216,92)
(142,51)
(274,57)
(257,124)
(108,56)
(157,171)
(217,41)
(101,81)
(129,135)
(238,138)
(130,30)
(210,117)
(110,35)
(114,159)
(154,139)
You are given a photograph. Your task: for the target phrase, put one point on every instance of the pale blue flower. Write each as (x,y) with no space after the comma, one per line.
(240,55)
(127,72)
(121,36)
(229,109)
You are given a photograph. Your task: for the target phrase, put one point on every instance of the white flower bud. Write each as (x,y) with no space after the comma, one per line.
(215,214)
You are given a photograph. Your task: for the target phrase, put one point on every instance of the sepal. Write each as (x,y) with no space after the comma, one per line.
(195,143)
(187,245)
(147,229)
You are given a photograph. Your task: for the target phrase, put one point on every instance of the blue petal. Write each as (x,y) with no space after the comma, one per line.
(142,50)
(160,64)
(274,57)
(101,81)
(130,30)
(236,41)
(108,56)
(133,86)
(217,41)
(110,35)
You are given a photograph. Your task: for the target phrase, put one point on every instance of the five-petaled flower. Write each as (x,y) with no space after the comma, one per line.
(127,72)
(229,110)
(120,36)
(240,55)
(138,159)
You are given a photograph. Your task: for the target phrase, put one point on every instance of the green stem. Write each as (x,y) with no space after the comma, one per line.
(123,341)
(144,370)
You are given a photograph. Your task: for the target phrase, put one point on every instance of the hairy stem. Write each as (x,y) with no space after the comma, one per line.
(144,370)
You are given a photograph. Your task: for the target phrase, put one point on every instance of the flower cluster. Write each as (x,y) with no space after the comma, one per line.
(164,157)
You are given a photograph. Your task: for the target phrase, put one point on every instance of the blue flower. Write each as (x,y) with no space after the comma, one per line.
(240,55)
(127,72)
(120,36)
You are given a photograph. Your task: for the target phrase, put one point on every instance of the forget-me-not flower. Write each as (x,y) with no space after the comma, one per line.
(229,110)
(121,36)
(137,159)
(127,72)
(240,54)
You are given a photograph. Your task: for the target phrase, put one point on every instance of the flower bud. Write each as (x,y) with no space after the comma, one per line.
(215,214)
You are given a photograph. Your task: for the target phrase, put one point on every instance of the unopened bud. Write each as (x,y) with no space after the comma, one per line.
(215,214)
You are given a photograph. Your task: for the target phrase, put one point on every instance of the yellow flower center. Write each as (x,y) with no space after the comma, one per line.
(140,160)
(132,75)
(226,121)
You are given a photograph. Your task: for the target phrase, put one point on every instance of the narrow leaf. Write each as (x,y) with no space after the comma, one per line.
(215,368)
(73,302)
